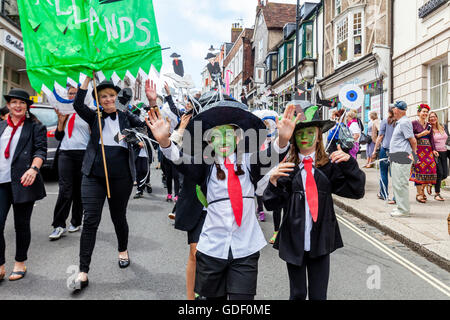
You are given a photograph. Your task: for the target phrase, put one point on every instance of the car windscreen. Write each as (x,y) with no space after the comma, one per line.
(48,117)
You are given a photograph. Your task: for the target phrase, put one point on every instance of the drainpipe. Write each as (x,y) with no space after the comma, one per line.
(391,80)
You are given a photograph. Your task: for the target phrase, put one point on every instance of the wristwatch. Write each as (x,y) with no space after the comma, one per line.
(35,168)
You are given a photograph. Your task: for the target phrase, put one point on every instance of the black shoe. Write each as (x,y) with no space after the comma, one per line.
(124,263)
(149,189)
(77,286)
(139,194)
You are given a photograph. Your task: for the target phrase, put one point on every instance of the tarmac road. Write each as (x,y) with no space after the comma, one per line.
(362,270)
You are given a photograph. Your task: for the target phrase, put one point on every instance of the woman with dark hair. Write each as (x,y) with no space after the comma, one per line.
(23,149)
(120,161)
(424,172)
(440,138)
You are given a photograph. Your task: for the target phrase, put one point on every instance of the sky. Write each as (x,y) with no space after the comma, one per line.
(190,27)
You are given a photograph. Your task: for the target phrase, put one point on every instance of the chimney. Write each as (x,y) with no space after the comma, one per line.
(236,30)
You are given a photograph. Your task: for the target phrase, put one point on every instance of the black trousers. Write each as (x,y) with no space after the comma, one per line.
(442,169)
(22,219)
(93,194)
(277,218)
(69,171)
(318,275)
(171,175)
(142,167)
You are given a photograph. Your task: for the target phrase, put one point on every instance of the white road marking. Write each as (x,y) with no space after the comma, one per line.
(407,264)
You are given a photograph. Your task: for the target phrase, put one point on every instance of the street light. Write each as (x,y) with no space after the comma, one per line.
(297,22)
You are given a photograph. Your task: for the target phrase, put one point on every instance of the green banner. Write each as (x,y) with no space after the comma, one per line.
(64,38)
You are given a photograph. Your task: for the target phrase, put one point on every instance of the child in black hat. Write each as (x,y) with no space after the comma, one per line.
(231,238)
(309,231)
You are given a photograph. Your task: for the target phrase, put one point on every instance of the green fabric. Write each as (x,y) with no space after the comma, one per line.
(98,35)
(201,196)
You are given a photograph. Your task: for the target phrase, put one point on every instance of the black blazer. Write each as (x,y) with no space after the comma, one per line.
(32,144)
(127,120)
(343,179)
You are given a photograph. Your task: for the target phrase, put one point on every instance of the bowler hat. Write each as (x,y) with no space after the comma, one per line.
(210,56)
(19,94)
(106,84)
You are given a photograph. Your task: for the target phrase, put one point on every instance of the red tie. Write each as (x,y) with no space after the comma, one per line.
(311,189)
(234,192)
(14,129)
(71,124)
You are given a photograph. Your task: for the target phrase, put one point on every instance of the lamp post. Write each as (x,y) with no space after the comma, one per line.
(297,22)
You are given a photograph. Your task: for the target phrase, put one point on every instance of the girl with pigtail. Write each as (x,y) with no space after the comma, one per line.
(231,238)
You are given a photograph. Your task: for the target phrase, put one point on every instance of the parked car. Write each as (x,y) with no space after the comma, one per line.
(47,115)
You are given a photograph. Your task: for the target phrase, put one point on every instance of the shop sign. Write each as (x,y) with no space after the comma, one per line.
(430,6)
(12,43)
(375,103)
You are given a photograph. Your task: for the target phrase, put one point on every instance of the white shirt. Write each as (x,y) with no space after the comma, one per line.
(80,135)
(355,129)
(5,164)
(308,217)
(110,130)
(220,231)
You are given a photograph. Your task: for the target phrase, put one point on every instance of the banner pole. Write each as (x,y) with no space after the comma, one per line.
(99,116)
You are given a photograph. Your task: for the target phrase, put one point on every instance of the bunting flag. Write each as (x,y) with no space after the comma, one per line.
(67,38)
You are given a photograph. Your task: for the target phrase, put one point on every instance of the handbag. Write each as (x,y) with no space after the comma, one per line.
(345,139)
(365,139)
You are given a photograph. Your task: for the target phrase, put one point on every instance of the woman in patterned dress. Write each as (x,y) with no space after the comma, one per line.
(424,172)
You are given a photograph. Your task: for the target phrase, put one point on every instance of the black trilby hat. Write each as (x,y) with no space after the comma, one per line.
(19,94)
(228,112)
(210,56)
(175,55)
(310,116)
(106,84)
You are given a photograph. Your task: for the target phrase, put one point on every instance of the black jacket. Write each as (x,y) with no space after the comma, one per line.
(127,120)
(32,144)
(343,179)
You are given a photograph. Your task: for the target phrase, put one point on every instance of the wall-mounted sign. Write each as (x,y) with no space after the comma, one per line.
(429,7)
(12,43)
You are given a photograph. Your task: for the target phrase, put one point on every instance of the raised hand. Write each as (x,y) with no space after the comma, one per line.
(282,170)
(150,92)
(286,126)
(339,155)
(166,87)
(159,126)
(185,118)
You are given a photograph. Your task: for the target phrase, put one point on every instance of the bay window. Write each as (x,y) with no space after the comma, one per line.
(349,37)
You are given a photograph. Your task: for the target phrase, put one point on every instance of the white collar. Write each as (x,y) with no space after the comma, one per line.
(232,158)
(302,157)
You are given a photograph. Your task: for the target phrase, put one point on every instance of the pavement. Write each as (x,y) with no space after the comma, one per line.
(426,231)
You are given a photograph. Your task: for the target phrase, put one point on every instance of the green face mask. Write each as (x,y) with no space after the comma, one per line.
(306,138)
(224,140)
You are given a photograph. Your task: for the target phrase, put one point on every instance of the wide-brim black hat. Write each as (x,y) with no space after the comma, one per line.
(175,55)
(19,94)
(310,116)
(230,113)
(210,56)
(106,84)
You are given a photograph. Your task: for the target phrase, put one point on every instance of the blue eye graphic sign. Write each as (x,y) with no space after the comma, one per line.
(351,96)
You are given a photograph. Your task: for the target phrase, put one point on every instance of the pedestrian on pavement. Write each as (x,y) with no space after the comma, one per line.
(424,173)
(309,232)
(231,239)
(4,113)
(120,160)
(373,129)
(73,134)
(403,146)
(384,139)
(23,150)
(353,126)
(440,138)
(333,136)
